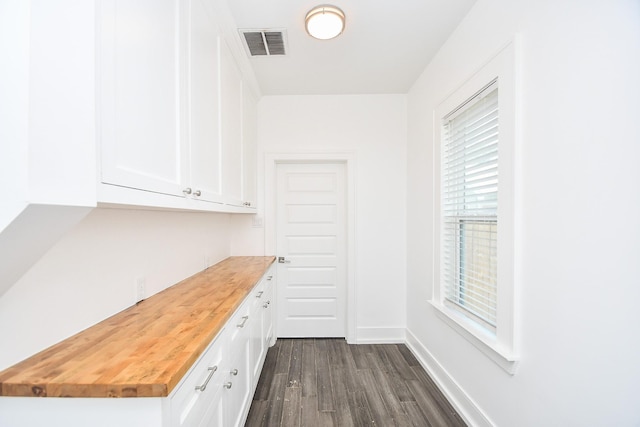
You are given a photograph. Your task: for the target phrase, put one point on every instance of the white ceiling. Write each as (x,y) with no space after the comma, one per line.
(384,48)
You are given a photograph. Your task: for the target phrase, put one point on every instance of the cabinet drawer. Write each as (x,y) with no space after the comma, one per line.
(200,386)
(240,323)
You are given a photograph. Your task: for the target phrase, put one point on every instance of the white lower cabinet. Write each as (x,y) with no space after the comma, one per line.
(262,326)
(237,387)
(215,392)
(193,402)
(230,368)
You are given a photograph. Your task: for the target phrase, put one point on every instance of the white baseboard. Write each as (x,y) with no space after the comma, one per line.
(380,336)
(465,406)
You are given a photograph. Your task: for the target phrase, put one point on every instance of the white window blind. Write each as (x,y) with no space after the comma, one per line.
(470,206)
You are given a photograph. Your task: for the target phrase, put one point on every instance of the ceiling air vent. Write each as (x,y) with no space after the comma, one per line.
(265,42)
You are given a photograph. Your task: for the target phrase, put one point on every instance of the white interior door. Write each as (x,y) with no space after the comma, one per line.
(311,240)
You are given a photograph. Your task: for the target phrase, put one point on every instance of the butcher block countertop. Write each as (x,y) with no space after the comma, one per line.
(145,350)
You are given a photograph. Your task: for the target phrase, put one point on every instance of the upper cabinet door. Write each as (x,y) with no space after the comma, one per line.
(231,126)
(139,95)
(203,104)
(249,148)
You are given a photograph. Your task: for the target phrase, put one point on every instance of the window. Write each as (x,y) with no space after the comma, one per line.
(475,209)
(470,206)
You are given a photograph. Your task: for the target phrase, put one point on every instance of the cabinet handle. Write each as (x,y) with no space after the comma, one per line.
(247,203)
(228,385)
(234,372)
(212,371)
(266,304)
(187,190)
(260,294)
(269,278)
(244,320)
(197,193)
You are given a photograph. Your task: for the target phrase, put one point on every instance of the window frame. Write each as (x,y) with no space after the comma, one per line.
(501,345)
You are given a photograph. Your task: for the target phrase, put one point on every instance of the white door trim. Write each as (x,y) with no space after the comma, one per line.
(349,159)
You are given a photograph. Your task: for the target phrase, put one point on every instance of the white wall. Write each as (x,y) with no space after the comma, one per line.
(373,127)
(14,108)
(90,274)
(580,242)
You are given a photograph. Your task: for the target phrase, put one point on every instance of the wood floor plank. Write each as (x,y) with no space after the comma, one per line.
(266,376)
(398,362)
(273,417)
(291,408)
(427,404)
(257,413)
(415,415)
(351,378)
(308,368)
(399,371)
(324,390)
(360,409)
(309,411)
(336,357)
(343,415)
(376,404)
(327,419)
(295,364)
(311,417)
(445,407)
(408,356)
(284,356)
(389,397)
(359,354)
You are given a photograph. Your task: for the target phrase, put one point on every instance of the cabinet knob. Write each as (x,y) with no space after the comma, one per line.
(187,190)
(247,203)
(234,372)
(228,385)
(197,193)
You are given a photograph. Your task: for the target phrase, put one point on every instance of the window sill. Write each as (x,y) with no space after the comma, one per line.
(479,337)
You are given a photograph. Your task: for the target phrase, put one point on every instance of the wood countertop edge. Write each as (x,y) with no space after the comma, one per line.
(11,386)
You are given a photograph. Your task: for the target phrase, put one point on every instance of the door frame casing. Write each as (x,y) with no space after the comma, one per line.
(349,160)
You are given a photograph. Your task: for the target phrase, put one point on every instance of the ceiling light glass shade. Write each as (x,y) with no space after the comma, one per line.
(324,22)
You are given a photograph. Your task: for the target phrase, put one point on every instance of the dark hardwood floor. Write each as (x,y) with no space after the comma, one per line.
(327,382)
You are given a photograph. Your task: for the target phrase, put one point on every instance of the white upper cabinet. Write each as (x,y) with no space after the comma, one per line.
(170,108)
(205,180)
(231,123)
(139,95)
(239,134)
(249,148)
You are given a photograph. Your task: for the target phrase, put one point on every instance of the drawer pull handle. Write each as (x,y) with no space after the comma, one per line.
(266,304)
(244,320)
(234,372)
(269,277)
(212,371)
(228,385)
(260,294)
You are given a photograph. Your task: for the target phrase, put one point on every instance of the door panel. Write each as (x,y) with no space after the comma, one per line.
(311,236)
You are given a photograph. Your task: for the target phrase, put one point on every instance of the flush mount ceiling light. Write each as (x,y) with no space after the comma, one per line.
(324,22)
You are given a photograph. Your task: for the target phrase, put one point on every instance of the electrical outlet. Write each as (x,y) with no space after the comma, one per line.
(257,222)
(141,289)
